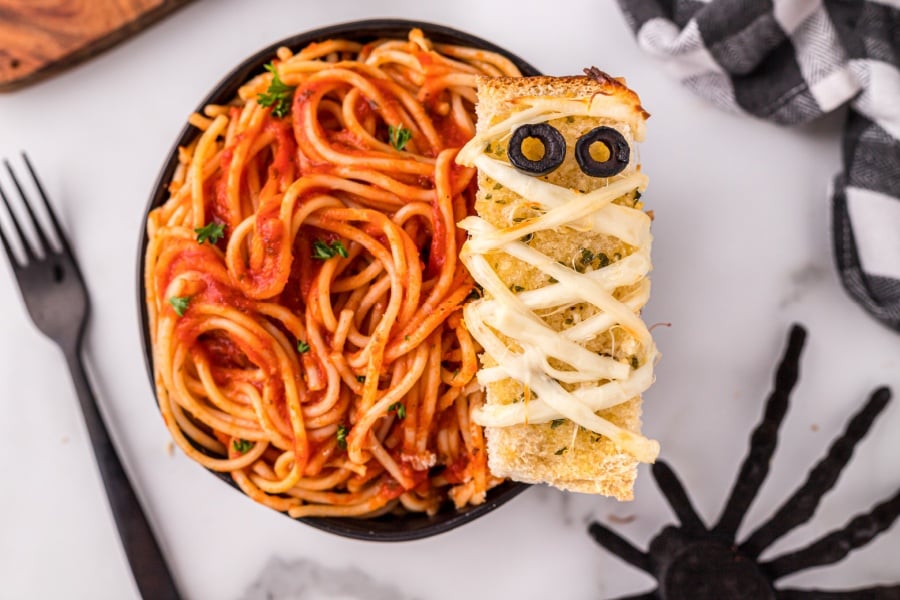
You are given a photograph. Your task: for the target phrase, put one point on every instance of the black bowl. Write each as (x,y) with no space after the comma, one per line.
(387,528)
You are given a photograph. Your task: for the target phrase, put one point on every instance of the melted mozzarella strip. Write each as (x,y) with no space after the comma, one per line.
(604,381)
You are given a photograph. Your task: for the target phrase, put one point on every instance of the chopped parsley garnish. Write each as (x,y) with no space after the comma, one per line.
(400,408)
(604,259)
(361,378)
(488,196)
(324,251)
(475,294)
(302,347)
(211,232)
(498,186)
(556,423)
(517,288)
(338,247)
(241,446)
(637,195)
(634,362)
(399,136)
(180,304)
(570,119)
(561,451)
(279,94)
(587,256)
(342,437)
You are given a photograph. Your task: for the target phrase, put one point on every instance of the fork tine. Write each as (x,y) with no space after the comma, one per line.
(29,253)
(57,230)
(8,247)
(41,235)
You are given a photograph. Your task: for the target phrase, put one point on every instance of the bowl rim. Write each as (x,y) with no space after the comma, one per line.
(378,529)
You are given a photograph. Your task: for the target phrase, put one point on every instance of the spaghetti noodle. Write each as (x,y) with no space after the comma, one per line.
(303,284)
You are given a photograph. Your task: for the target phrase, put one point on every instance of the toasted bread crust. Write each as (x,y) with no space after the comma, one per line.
(494,90)
(553,453)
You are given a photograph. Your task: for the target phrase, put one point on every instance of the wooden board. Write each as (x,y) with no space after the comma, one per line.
(41,37)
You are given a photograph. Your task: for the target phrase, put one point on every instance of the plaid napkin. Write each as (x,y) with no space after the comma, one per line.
(791,61)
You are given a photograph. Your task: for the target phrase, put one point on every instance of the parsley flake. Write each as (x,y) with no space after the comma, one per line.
(341,250)
(180,304)
(211,232)
(399,136)
(587,256)
(556,423)
(302,347)
(323,250)
(342,437)
(279,94)
(400,408)
(241,446)
(561,451)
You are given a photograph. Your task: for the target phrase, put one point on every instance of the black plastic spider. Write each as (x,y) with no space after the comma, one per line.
(695,562)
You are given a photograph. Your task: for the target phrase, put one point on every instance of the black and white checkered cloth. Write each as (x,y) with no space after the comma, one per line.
(791,61)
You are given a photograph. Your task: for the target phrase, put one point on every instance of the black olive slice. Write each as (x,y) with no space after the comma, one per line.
(554,149)
(619,152)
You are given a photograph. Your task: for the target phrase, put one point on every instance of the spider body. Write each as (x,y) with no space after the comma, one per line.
(692,567)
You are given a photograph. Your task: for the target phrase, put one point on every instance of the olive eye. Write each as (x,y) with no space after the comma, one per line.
(554,149)
(616,152)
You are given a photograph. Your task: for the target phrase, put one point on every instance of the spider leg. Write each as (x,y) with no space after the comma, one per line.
(677,497)
(837,544)
(801,506)
(763,440)
(620,547)
(891,592)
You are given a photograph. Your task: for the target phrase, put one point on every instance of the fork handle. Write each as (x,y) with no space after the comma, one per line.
(151,574)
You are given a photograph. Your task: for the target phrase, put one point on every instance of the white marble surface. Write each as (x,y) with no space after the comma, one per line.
(741,249)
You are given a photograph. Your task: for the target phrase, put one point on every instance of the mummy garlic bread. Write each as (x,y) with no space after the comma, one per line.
(561,248)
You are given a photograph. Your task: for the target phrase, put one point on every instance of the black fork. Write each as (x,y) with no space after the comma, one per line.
(57,300)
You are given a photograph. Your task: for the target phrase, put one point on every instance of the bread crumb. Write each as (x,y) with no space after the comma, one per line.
(621,520)
(170,448)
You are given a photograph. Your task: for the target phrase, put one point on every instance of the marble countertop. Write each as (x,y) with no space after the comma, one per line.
(742,250)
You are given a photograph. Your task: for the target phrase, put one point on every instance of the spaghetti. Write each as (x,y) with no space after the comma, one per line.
(303,284)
